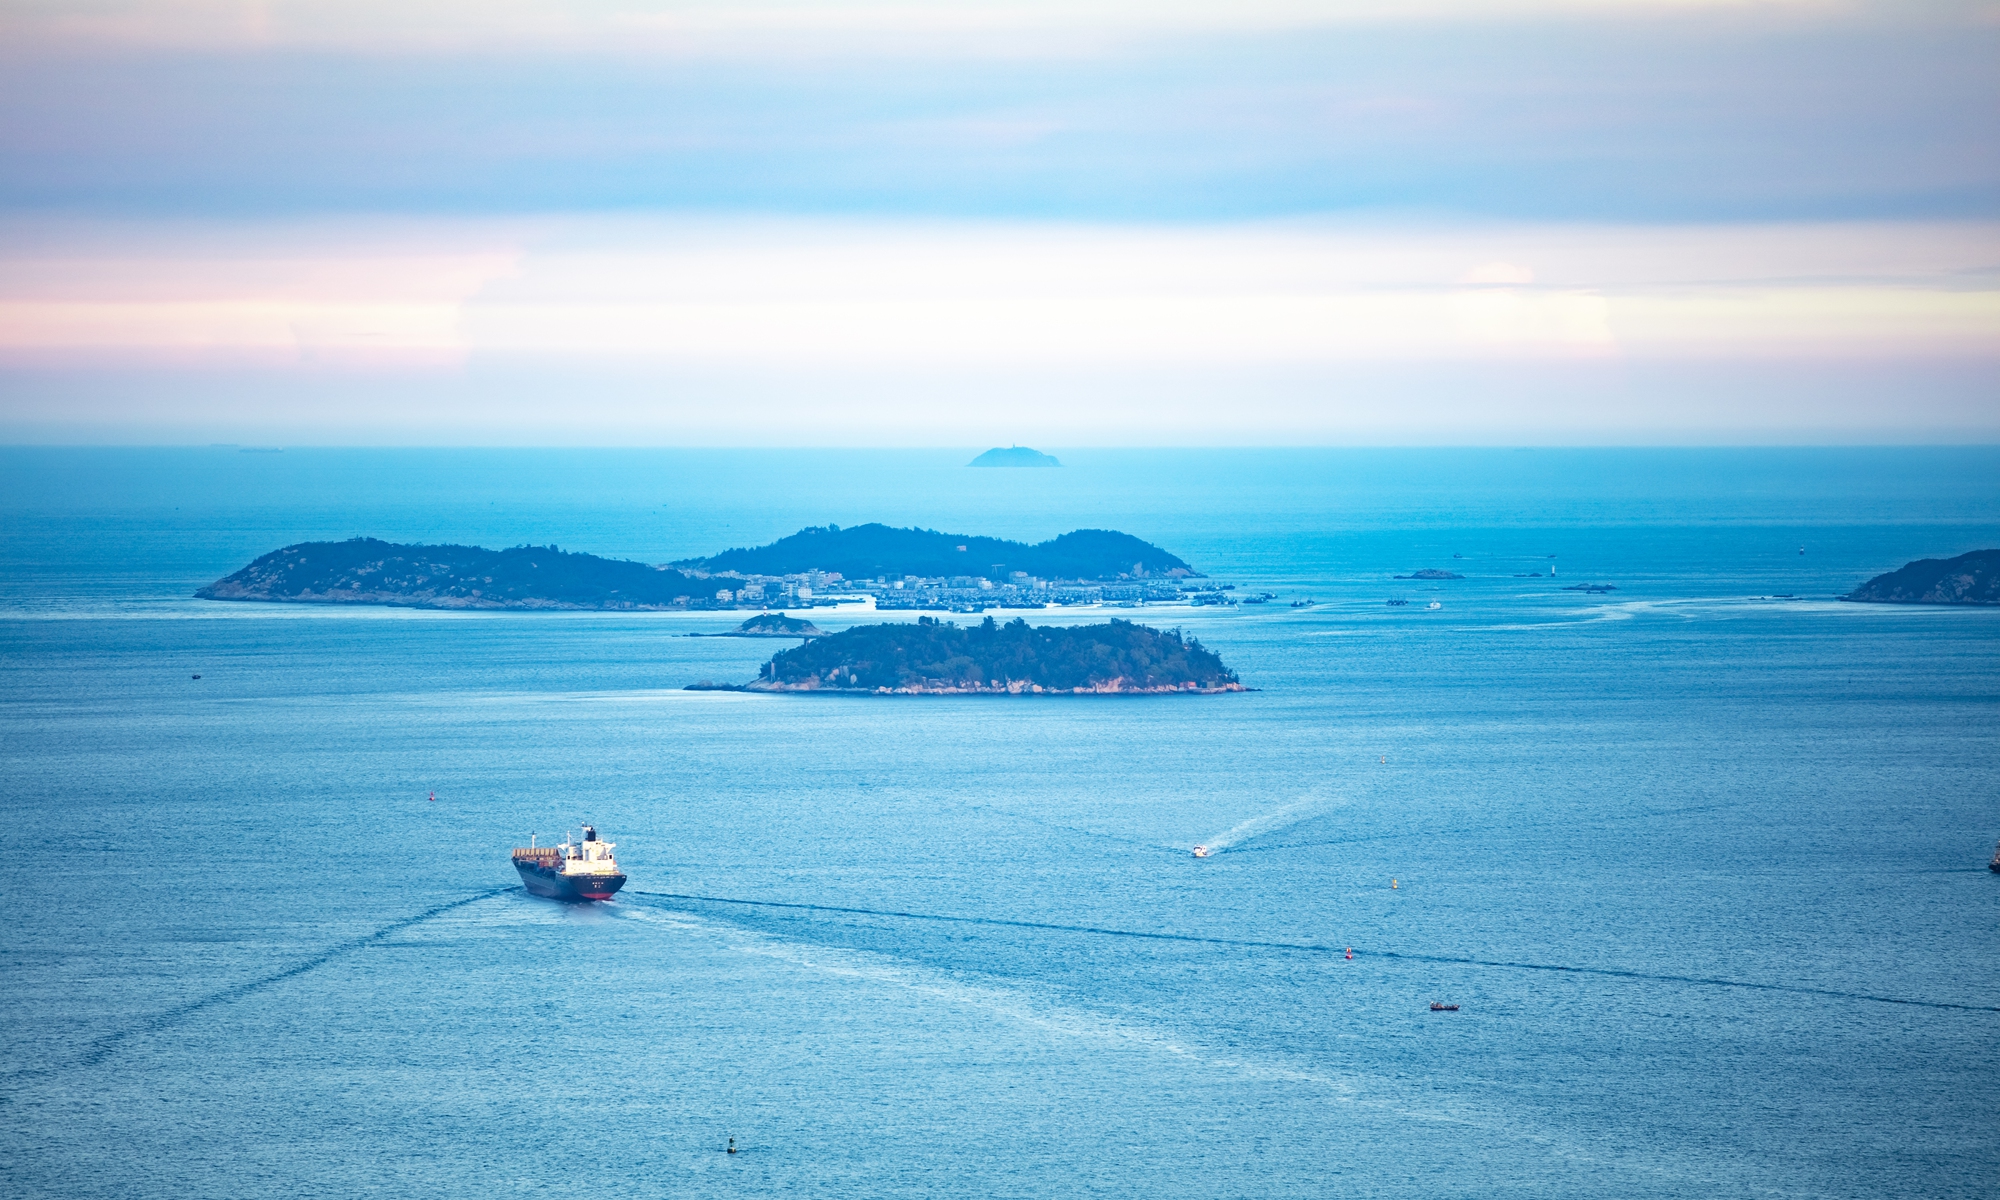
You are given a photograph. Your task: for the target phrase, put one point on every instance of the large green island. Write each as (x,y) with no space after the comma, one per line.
(823,565)
(933,657)
(880,551)
(370,571)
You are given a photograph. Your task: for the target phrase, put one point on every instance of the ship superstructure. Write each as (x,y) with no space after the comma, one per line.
(584,870)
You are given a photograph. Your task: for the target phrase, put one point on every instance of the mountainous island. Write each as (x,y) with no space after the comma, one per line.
(1430,573)
(1014,456)
(879,551)
(370,571)
(1972,578)
(941,658)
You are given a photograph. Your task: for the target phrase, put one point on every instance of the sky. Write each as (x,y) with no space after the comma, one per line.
(1267,222)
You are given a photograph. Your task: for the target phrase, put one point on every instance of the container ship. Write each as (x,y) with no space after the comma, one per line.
(582,870)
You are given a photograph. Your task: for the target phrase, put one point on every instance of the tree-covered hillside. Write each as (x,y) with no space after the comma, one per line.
(933,655)
(878,551)
(370,571)
(1968,579)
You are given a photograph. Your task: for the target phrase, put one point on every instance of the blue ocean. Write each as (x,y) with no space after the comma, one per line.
(1700,858)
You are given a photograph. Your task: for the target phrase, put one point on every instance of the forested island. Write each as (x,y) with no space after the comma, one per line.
(1972,578)
(940,657)
(891,568)
(875,551)
(370,571)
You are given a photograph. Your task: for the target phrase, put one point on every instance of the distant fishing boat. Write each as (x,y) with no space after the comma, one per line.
(1995,864)
(1305,603)
(1436,1007)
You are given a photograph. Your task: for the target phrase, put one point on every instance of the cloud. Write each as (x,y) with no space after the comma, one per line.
(856,329)
(1654,114)
(970,28)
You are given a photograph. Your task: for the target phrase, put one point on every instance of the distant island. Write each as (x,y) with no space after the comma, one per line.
(774,625)
(1972,578)
(820,566)
(877,551)
(932,657)
(1014,456)
(1430,573)
(370,571)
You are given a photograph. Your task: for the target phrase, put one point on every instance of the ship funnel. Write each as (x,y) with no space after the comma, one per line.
(589,833)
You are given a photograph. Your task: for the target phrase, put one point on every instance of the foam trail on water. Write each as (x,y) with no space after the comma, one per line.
(99,1049)
(1270,822)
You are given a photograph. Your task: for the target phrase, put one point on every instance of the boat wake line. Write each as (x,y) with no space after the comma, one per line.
(102,1047)
(1487,827)
(1315,948)
(1295,813)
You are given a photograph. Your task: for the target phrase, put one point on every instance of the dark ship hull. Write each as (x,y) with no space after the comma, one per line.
(546,881)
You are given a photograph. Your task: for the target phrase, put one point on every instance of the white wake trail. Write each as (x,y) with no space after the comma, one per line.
(1270,822)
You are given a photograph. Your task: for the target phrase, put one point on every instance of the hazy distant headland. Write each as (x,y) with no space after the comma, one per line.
(897,568)
(941,658)
(1972,578)
(1014,456)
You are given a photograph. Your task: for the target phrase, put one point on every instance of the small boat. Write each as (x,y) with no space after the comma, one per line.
(1202,852)
(1398,603)
(1305,603)
(1995,864)
(1436,1007)
(1437,604)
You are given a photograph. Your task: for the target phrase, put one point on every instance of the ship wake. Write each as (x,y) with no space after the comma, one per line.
(103,1047)
(1268,823)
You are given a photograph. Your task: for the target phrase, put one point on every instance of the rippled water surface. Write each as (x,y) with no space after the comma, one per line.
(1704,869)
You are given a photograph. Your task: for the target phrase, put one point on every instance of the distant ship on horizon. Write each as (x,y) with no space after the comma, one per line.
(585,870)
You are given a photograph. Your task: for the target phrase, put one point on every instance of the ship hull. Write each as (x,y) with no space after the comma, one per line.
(543,881)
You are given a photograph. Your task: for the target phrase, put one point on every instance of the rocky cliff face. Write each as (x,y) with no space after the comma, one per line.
(1968,579)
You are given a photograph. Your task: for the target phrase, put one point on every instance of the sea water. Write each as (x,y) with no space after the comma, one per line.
(1700,859)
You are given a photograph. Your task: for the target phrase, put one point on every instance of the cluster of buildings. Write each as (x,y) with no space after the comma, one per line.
(956,593)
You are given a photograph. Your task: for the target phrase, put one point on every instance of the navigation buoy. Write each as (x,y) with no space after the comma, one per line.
(1350,954)
(1392,885)
(434,797)
(732,1145)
